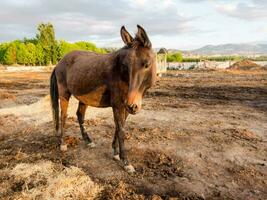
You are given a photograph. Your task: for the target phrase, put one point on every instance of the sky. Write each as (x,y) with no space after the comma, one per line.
(179,24)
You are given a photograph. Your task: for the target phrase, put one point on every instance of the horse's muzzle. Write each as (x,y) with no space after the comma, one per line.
(133,103)
(132,109)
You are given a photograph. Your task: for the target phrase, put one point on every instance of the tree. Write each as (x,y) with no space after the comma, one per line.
(86,46)
(55,54)
(10,54)
(46,37)
(21,53)
(175,57)
(3,48)
(65,47)
(30,54)
(30,40)
(39,54)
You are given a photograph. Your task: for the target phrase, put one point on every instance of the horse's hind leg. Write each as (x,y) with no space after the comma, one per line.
(80,115)
(64,101)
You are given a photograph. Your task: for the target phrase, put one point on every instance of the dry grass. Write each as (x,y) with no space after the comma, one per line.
(46,180)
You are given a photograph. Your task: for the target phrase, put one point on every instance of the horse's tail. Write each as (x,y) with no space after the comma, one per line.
(54,99)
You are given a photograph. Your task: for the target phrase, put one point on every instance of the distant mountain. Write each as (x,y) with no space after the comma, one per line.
(229,49)
(242,49)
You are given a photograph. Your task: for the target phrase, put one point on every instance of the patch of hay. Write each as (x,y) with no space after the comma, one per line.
(46,180)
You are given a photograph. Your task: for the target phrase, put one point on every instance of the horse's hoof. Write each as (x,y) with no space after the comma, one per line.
(63,147)
(116,157)
(129,168)
(91,145)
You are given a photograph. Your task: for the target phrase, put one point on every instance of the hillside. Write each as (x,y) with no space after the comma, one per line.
(242,49)
(228,49)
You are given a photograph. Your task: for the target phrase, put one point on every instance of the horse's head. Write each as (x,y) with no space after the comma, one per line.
(137,64)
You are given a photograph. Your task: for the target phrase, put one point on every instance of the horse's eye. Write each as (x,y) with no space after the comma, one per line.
(146,65)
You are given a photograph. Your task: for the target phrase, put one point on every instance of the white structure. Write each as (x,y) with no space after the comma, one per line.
(161,61)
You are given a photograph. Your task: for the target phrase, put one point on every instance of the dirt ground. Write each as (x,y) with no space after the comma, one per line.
(200,135)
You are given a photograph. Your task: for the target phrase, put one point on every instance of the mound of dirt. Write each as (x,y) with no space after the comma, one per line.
(156,163)
(246,65)
(46,180)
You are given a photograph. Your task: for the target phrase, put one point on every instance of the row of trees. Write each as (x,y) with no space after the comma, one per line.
(217,59)
(177,57)
(44,49)
(260,58)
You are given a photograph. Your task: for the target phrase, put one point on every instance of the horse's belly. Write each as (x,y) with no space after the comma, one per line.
(99,97)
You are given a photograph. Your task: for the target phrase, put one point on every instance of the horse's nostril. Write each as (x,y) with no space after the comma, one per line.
(133,107)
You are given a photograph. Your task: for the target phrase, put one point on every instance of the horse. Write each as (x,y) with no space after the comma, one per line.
(118,80)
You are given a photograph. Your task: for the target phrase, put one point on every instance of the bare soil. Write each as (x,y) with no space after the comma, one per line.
(200,135)
(22,87)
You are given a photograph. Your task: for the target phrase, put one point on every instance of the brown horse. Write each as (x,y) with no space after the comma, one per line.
(118,80)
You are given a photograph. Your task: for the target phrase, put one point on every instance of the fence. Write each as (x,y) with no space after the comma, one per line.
(206,64)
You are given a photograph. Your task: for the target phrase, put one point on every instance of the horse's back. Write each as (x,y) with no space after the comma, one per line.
(83,71)
(75,56)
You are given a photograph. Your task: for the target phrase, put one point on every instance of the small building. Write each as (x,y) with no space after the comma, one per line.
(162,61)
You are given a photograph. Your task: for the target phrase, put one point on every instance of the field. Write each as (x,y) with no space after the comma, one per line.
(200,135)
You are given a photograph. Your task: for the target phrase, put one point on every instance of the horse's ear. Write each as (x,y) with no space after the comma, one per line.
(126,37)
(142,37)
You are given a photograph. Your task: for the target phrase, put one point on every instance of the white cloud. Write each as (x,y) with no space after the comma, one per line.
(246,10)
(167,21)
(91,19)
(262,29)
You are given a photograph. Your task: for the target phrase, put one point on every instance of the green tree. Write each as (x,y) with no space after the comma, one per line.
(175,57)
(65,47)
(21,53)
(10,54)
(39,54)
(46,37)
(30,40)
(55,54)
(3,48)
(86,46)
(30,54)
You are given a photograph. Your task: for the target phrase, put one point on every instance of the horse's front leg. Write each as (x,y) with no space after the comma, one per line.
(120,115)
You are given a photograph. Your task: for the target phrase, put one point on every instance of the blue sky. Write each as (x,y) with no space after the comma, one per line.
(180,24)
